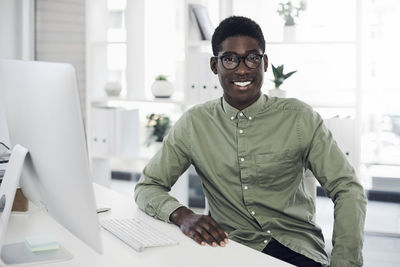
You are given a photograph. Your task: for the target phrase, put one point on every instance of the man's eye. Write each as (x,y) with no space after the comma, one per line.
(253,58)
(230,59)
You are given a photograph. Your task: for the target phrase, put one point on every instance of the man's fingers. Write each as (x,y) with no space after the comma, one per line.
(196,237)
(202,236)
(203,229)
(216,231)
(214,234)
(207,236)
(211,221)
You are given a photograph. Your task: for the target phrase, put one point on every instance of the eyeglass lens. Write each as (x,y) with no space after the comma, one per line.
(232,61)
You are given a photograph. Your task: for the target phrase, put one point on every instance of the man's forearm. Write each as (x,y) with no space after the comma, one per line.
(155,200)
(348,230)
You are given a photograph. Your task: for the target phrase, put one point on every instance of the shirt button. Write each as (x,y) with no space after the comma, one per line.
(240,131)
(265,241)
(245,187)
(250,118)
(253,213)
(268,231)
(232,118)
(242,159)
(241,114)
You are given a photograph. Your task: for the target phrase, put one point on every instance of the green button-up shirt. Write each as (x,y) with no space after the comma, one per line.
(251,164)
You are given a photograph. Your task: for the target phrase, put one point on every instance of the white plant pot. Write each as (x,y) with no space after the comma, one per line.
(113,88)
(162,89)
(289,34)
(277,93)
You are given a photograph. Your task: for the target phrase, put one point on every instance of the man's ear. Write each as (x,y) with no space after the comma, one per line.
(213,65)
(265,62)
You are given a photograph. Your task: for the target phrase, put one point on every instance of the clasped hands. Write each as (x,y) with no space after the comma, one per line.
(201,228)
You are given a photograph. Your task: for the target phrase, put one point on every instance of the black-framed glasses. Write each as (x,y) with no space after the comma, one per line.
(232,61)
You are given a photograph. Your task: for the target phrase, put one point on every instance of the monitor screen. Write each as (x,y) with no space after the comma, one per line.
(43,114)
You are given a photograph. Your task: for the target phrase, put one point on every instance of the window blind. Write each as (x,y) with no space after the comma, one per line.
(60,36)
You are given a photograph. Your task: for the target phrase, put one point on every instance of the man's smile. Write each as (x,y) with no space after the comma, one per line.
(243,84)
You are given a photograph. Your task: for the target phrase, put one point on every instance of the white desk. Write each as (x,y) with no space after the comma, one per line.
(117,254)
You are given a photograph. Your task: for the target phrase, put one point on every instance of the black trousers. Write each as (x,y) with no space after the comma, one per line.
(279,251)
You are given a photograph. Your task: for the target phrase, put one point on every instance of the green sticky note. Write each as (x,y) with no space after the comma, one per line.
(41,243)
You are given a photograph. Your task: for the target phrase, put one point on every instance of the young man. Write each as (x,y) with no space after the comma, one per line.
(250,152)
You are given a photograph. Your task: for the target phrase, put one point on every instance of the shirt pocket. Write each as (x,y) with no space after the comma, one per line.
(277,169)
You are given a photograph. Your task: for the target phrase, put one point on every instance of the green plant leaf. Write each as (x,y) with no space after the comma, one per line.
(161,77)
(287,75)
(280,69)
(279,76)
(161,125)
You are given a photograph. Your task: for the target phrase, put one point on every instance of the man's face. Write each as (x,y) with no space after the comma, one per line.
(242,85)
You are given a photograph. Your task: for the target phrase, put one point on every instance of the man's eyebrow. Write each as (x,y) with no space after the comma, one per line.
(252,51)
(234,53)
(228,53)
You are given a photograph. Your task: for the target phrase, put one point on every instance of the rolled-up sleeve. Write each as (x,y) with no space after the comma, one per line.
(163,170)
(335,174)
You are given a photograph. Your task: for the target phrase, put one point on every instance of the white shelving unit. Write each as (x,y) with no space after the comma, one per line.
(136,97)
(198,79)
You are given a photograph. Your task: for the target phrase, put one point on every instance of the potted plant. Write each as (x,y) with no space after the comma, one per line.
(113,88)
(288,11)
(161,87)
(279,78)
(159,125)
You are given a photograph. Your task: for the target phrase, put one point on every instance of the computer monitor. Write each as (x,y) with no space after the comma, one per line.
(43,114)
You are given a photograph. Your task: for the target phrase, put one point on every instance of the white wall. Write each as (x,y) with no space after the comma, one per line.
(17,39)
(9,48)
(9,29)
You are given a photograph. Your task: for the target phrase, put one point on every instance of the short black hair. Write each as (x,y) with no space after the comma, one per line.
(236,26)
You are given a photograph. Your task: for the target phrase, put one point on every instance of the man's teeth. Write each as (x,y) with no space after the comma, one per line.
(242,83)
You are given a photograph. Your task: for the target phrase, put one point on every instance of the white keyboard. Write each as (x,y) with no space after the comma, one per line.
(137,234)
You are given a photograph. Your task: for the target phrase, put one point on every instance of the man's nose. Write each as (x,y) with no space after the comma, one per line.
(242,68)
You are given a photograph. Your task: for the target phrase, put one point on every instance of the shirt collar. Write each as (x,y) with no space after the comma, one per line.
(248,112)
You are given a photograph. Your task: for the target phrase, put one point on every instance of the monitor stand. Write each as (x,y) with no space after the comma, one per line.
(18,253)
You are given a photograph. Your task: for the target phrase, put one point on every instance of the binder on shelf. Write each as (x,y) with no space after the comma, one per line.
(204,91)
(200,22)
(199,83)
(192,86)
(215,86)
(204,77)
(114,132)
(343,131)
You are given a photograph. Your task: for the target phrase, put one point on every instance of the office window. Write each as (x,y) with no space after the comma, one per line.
(381,93)
(60,37)
(336,78)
